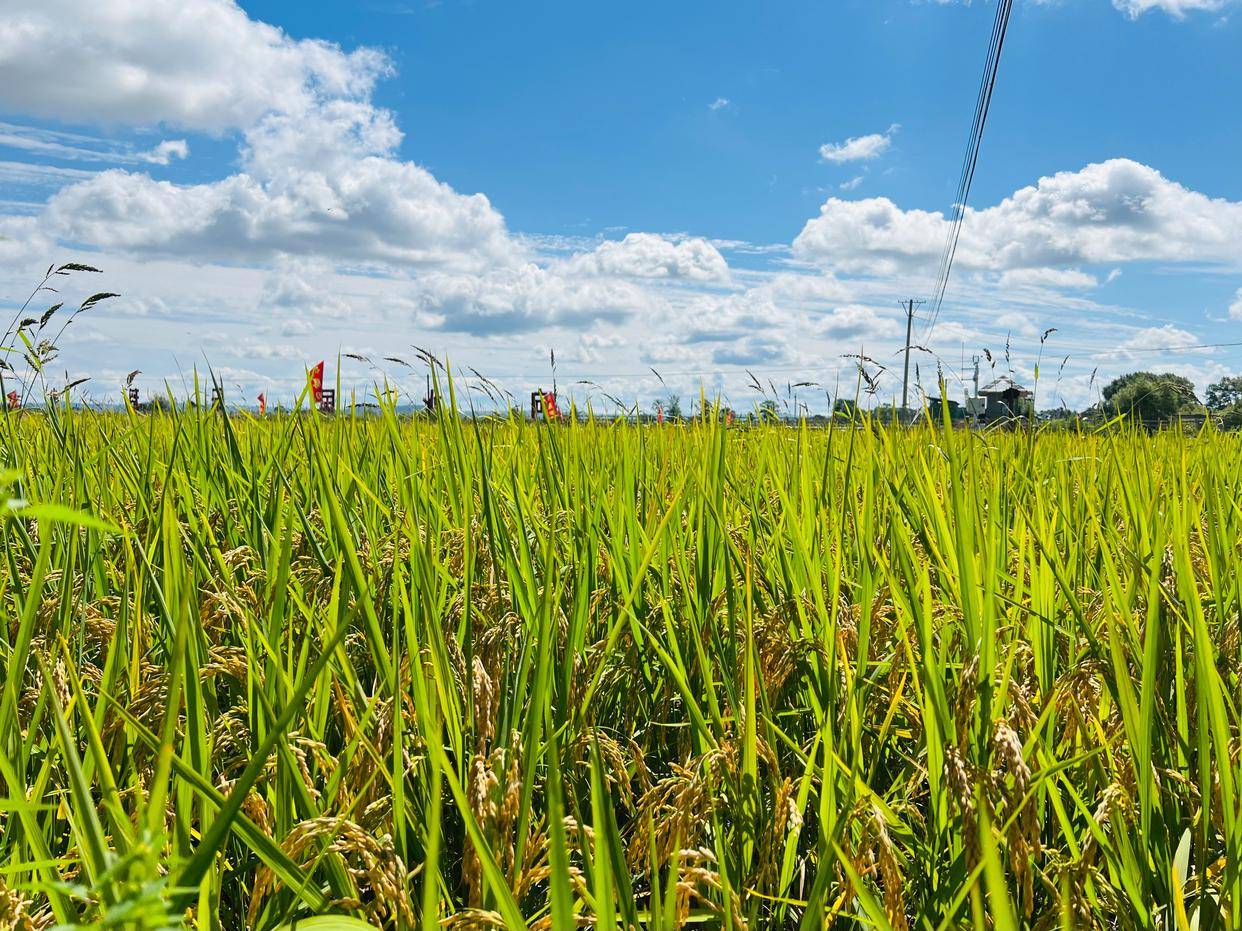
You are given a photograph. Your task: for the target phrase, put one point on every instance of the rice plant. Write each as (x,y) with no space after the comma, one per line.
(436,672)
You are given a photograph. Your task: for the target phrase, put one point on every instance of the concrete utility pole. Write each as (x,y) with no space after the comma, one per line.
(974,413)
(908,307)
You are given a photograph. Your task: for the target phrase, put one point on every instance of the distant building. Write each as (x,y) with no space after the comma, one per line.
(936,409)
(1004,399)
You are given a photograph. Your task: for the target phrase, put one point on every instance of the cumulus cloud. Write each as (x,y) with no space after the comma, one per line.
(1114,211)
(516,300)
(647,255)
(855,323)
(166,151)
(592,346)
(298,286)
(320,174)
(197,64)
(326,183)
(1161,337)
(869,235)
(859,148)
(752,350)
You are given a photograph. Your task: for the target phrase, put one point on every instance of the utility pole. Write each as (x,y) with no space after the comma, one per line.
(908,307)
(974,412)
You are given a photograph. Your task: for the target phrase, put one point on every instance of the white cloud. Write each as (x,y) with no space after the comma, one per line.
(196,64)
(647,255)
(869,235)
(753,350)
(1114,211)
(1235,309)
(852,183)
(856,323)
(295,326)
(859,148)
(1161,337)
(1016,322)
(70,146)
(591,346)
(325,184)
(1048,278)
(515,300)
(166,151)
(719,103)
(1136,8)
(301,286)
(1175,8)
(40,175)
(319,172)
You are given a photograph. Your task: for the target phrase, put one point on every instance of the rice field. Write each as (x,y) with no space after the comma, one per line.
(434,673)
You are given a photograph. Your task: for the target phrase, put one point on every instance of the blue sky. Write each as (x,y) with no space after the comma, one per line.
(699,188)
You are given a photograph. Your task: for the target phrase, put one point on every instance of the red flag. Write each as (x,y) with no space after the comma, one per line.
(550,411)
(659,415)
(14,403)
(316,383)
(262,404)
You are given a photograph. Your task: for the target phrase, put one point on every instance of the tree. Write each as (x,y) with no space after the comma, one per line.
(768,411)
(1225,393)
(672,407)
(1149,396)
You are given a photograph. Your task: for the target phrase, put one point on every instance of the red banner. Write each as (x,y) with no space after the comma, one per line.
(14,402)
(316,384)
(262,404)
(550,410)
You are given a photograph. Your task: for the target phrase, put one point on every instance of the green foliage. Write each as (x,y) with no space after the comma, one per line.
(1150,397)
(670,406)
(406,673)
(1225,393)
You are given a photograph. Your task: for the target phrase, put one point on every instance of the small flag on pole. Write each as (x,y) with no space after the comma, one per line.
(262,404)
(316,384)
(14,402)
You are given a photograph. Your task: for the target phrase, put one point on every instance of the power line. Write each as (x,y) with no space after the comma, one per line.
(1138,349)
(986,86)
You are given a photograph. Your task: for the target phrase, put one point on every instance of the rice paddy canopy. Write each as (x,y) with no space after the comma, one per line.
(426,673)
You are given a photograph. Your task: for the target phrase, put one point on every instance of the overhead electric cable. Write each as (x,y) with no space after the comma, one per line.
(987,85)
